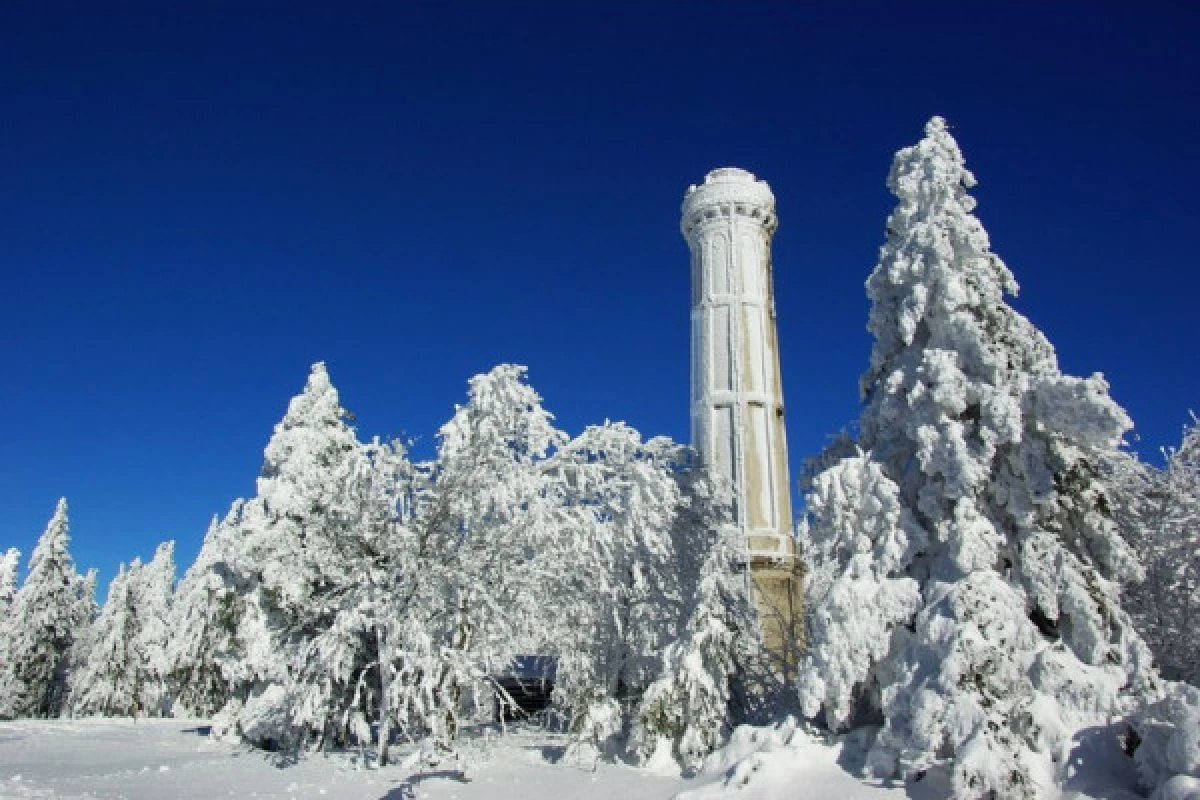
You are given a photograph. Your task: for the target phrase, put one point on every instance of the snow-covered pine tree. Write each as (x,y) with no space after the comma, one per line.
(1166,605)
(9,564)
(973,520)
(346,678)
(445,575)
(85,614)
(44,622)
(205,611)
(107,684)
(286,543)
(309,457)
(492,514)
(620,602)
(151,592)
(688,707)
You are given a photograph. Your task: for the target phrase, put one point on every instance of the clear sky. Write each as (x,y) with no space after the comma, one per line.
(198,200)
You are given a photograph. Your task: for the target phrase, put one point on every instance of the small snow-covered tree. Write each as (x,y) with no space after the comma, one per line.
(974,522)
(651,620)
(83,620)
(107,683)
(859,537)
(1168,743)
(151,592)
(1165,505)
(43,623)
(621,602)
(205,614)
(689,705)
(121,667)
(9,563)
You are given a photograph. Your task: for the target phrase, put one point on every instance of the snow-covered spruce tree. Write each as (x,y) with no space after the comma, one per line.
(688,707)
(650,620)
(207,607)
(306,463)
(107,683)
(45,618)
(119,667)
(492,514)
(151,593)
(1166,605)
(622,602)
(284,556)
(247,608)
(445,570)
(346,678)
(85,614)
(9,564)
(972,521)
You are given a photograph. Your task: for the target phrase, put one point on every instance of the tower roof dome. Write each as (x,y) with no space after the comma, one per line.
(726,191)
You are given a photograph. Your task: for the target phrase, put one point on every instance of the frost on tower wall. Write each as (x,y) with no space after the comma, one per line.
(736,393)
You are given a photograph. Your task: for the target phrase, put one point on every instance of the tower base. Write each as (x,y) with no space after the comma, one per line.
(779,597)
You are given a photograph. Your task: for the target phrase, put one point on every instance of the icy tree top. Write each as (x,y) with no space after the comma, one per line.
(53,544)
(504,416)
(309,441)
(937,283)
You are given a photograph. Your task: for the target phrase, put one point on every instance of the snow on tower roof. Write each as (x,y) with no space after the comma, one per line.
(728,190)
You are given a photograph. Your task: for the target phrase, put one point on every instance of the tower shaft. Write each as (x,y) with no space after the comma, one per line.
(736,392)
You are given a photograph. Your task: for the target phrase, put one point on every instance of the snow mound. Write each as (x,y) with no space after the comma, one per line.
(782,761)
(1168,755)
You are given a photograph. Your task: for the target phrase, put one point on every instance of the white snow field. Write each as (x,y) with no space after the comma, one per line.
(171,758)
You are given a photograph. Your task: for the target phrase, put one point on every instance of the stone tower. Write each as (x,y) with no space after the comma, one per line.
(736,395)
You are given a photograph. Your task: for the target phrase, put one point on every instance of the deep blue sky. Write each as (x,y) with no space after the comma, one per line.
(198,200)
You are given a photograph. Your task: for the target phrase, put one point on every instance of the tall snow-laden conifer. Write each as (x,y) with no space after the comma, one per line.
(44,622)
(973,521)
(285,553)
(310,456)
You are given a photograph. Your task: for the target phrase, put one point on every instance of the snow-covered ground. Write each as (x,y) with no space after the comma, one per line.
(171,758)
(106,758)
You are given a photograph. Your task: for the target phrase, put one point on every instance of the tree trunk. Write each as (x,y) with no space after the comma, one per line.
(385,696)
